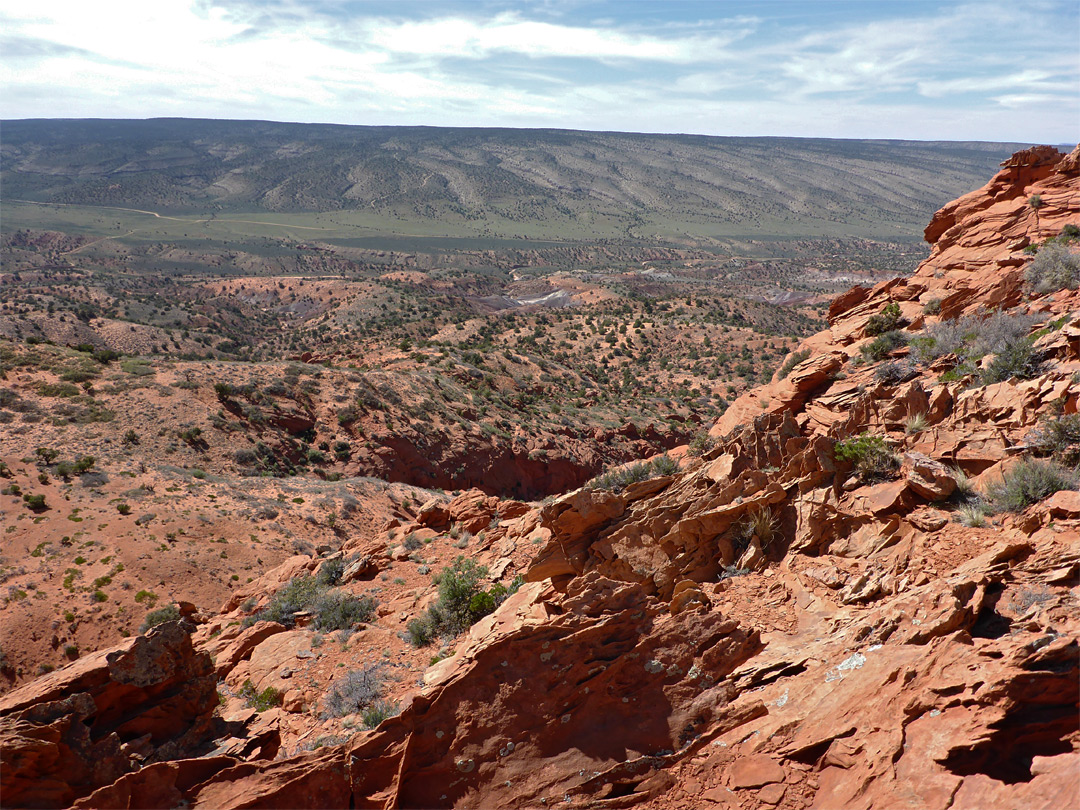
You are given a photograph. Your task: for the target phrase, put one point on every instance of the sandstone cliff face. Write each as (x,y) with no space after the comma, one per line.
(767,628)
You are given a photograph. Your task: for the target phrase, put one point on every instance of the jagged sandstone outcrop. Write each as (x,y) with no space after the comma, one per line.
(82,727)
(768,627)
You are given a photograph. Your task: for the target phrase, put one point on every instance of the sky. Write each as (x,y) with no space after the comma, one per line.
(992,70)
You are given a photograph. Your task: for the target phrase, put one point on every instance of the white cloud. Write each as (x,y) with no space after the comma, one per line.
(303,61)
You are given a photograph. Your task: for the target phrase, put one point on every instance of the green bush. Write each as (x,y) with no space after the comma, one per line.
(35,503)
(1027,482)
(792,360)
(329,573)
(932,307)
(169,613)
(893,373)
(378,711)
(887,320)
(883,345)
(462,602)
(1054,267)
(701,444)
(871,456)
(340,611)
(1017,359)
(268,698)
(47,454)
(297,596)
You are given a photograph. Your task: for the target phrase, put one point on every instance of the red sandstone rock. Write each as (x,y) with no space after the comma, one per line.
(86,724)
(929,478)
(755,771)
(877,656)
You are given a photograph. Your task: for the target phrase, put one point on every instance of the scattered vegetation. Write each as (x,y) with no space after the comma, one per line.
(379,710)
(331,610)
(1006,335)
(883,345)
(619,479)
(702,443)
(760,523)
(894,373)
(336,610)
(915,424)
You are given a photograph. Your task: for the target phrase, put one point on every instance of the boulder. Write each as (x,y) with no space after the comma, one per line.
(929,478)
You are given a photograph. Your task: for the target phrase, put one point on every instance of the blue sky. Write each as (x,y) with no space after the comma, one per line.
(986,70)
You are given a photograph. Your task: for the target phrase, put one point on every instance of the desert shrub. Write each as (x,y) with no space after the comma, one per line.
(965,487)
(47,454)
(792,360)
(123,508)
(246,456)
(295,597)
(916,423)
(413,543)
(1058,437)
(355,691)
(421,631)
(268,698)
(35,503)
(462,602)
(84,464)
(932,307)
(1003,334)
(378,711)
(1027,482)
(971,515)
(883,345)
(893,373)
(760,523)
(871,456)
(191,435)
(1016,359)
(78,374)
(701,444)
(338,611)
(169,613)
(329,573)
(1054,268)
(619,479)
(888,320)
(60,389)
